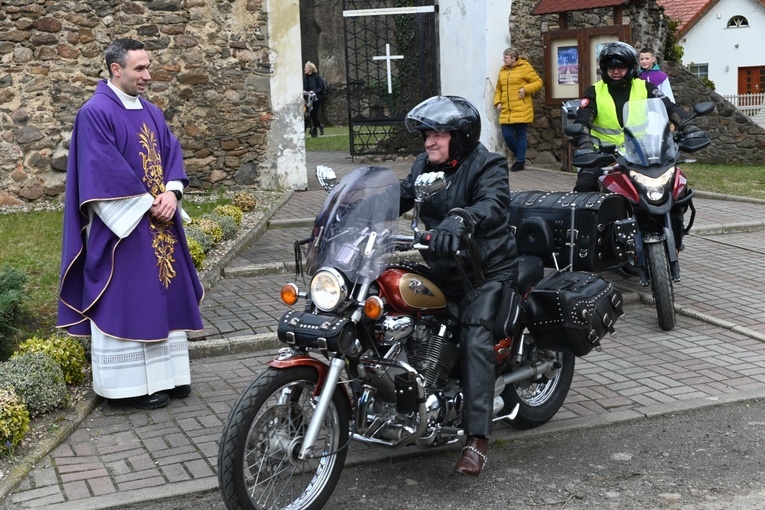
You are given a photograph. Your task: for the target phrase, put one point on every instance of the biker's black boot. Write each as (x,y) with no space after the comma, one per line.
(644,280)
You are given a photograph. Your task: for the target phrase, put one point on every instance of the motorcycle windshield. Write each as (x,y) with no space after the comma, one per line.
(357,224)
(647,135)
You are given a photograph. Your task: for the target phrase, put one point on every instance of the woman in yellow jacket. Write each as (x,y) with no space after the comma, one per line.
(512,98)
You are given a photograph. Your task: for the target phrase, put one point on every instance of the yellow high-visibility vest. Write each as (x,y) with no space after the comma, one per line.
(606,124)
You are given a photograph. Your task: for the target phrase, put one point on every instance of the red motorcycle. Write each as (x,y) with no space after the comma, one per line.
(645,171)
(372,354)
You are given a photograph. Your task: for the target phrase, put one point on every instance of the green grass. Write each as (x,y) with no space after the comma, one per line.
(335,139)
(740,180)
(31,242)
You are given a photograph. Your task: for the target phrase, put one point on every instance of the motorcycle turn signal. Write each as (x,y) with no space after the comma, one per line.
(290,294)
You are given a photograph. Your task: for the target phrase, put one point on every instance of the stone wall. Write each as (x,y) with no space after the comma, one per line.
(735,138)
(211,67)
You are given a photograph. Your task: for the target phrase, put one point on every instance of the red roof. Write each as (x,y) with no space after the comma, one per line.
(688,12)
(556,6)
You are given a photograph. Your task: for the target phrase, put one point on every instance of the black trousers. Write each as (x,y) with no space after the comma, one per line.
(477,357)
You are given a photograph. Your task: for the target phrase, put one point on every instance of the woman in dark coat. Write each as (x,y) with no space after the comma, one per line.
(313,82)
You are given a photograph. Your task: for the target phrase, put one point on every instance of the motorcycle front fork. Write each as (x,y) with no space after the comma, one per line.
(668,238)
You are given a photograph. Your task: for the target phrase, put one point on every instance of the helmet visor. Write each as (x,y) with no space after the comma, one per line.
(437,113)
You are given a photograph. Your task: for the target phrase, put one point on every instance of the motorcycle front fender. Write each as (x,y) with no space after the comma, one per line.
(303,360)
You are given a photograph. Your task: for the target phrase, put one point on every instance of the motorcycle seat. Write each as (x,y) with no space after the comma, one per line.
(535,243)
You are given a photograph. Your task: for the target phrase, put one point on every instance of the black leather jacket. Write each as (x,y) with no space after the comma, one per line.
(479,185)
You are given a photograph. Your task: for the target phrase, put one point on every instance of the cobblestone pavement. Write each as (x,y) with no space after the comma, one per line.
(117,457)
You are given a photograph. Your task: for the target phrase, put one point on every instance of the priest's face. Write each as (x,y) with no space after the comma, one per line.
(134,77)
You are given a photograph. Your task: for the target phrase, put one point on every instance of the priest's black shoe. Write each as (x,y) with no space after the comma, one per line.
(153,401)
(518,166)
(182,391)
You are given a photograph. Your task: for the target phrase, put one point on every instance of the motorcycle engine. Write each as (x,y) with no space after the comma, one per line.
(430,347)
(433,351)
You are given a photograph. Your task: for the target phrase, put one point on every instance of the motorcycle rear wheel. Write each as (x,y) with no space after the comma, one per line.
(258,467)
(541,399)
(661,285)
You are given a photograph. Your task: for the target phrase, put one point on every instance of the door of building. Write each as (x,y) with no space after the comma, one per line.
(751,80)
(391,66)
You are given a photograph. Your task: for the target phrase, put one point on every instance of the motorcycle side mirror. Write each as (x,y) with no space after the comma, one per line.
(426,185)
(704,108)
(326,176)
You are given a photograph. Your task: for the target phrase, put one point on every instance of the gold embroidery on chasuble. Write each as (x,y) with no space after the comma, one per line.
(163,240)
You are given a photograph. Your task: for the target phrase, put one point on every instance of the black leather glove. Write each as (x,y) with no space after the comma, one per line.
(447,236)
(691,131)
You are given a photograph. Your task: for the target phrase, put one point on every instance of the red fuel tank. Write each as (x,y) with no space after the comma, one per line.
(409,292)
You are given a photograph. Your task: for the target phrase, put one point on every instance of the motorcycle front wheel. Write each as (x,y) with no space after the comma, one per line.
(258,464)
(540,399)
(661,285)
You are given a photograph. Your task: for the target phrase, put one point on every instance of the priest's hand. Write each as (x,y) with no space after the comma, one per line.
(164,206)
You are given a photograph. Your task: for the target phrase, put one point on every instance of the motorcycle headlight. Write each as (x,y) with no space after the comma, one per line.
(656,188)
(328,289)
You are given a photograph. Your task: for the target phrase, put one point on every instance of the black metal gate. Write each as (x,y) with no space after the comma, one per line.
(391,65)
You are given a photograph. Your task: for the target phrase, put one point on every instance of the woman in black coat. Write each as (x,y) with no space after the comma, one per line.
(313,82)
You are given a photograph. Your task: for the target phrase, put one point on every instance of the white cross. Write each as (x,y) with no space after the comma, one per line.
(388,57)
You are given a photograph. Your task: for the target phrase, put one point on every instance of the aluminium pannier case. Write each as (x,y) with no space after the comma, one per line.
(604,229)
(572,310)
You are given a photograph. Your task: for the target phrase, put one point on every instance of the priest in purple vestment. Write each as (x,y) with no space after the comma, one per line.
(127,277)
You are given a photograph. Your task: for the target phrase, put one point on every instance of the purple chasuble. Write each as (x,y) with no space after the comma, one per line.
(145,285)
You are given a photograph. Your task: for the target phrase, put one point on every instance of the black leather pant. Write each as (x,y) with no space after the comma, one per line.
(477,357)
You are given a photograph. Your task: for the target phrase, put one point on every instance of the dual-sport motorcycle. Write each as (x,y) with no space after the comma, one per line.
(645,171)
(372,354)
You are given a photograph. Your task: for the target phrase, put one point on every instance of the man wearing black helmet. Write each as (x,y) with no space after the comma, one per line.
(600,110)
(478,194)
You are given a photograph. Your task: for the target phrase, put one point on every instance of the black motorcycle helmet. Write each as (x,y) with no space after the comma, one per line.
(448,113)
(618,53)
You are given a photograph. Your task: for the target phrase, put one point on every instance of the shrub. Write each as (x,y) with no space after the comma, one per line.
(14,420)
(67,351)
(227,224)
(37,379)
(210,228)
(12,297)
(245,200)
(230,210)
(197,253)
(197,234)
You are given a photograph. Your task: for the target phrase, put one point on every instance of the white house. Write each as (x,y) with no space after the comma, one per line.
(723,40)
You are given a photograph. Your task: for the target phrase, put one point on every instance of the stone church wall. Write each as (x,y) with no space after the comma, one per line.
(210,70)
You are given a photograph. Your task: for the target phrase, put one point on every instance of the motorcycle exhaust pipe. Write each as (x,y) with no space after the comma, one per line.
(523,374)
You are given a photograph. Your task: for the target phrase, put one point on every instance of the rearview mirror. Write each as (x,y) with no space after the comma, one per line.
(326,176)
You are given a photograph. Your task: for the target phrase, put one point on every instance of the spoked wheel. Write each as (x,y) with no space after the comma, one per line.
(540,399)
(258,464)
(661,285)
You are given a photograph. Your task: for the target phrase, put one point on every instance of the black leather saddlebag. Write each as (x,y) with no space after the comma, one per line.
(572,310)
(604,227)
(324,332)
